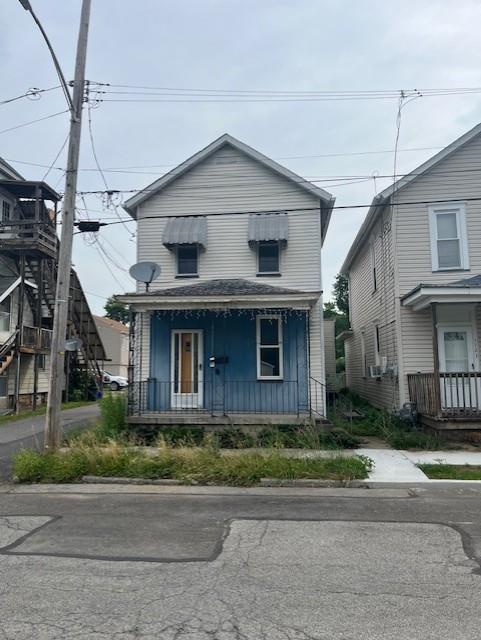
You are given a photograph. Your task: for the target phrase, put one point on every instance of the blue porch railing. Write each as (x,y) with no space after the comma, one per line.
(224,397)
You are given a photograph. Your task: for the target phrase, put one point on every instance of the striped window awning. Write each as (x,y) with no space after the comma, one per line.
(268,226)
(185,230)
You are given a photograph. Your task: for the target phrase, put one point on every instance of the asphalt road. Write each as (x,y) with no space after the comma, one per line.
(28,433)
(327,565)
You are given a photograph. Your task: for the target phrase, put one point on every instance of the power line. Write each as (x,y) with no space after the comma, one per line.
(33,94)
(56,157)
(294,209)
(26,124)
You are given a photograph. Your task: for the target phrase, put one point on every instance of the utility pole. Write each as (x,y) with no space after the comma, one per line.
(52,423)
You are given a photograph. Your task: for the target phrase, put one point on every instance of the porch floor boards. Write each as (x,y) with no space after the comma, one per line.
(205,418)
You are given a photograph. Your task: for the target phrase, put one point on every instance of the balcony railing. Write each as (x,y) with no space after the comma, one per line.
(446,395)
(225,397)
(35,338)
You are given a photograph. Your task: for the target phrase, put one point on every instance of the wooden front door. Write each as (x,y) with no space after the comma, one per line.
(187,369)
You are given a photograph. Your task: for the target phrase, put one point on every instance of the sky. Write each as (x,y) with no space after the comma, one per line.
(241,45)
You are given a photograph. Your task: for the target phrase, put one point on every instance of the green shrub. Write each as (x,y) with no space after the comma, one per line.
(113,415)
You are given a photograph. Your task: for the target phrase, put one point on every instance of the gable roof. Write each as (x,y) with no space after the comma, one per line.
(8,172)
(384,196)
(132,203)
(111,324)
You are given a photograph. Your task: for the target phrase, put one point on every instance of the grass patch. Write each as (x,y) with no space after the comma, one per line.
(41,411)
(451,471)
(189,465)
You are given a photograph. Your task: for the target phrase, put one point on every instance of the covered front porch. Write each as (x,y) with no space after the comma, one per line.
(447,394)
(242,359)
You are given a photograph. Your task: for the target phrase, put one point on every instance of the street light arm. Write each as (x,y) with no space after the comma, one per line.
(28,7)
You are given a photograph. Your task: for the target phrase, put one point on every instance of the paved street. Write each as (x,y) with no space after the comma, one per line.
(28,432)
(161,563)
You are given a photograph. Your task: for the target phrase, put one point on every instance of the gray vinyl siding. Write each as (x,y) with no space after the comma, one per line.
(368,308)
(455,178)
(458,178)
(225,188)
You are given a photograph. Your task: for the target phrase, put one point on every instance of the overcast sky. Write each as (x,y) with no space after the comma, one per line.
(306,45)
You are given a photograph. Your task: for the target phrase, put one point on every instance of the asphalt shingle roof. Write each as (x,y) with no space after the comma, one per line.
(225,287)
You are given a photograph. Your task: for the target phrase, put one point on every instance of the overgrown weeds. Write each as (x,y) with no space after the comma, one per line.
(188,465)
(381,424)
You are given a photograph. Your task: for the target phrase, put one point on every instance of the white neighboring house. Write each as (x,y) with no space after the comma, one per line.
(231,332)
(414,274)
(115,338)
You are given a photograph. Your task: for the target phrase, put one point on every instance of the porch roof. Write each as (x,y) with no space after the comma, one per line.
(232,293)
(424,294)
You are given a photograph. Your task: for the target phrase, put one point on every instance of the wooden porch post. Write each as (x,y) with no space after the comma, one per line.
(437,380)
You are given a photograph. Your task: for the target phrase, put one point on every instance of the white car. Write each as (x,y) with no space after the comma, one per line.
(114,382)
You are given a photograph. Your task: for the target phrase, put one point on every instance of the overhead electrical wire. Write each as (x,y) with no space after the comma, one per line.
(32,94)
(26,124)
(50,167)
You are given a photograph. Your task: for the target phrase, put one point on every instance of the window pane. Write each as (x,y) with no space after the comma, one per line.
(268,257)
(456,350)
(187,259)
(447,227)
(269,362)
(449,254)
(269,331)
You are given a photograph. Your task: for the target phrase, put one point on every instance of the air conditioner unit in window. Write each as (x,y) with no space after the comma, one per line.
(375,371)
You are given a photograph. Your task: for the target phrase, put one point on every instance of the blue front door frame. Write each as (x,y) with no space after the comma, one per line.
(232,385)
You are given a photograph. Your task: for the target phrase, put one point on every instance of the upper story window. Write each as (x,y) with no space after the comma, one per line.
(268,257)
(269,347)
(187,260)
(268,234)
(449,247)
(5,213)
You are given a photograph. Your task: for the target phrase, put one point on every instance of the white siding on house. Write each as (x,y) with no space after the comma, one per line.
(369,308)
(456,178)
(226,187)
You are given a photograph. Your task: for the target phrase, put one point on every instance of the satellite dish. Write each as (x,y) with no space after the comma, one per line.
(145,272)
(73,344)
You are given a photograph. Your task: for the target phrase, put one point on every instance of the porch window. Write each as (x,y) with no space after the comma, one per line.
(449,249)
(269,348)
(5,211)
(268,257)
(187,260)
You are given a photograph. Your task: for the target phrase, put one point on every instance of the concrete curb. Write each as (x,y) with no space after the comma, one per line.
(264,482)
(118,480)
(313,482)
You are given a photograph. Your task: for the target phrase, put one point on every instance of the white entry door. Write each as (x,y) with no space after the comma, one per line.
(457,356)
(187,366)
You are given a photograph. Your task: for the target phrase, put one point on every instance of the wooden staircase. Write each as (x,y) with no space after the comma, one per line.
(7,352)
(81,322)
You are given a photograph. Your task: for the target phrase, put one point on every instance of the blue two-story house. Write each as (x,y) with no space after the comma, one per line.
(231,330)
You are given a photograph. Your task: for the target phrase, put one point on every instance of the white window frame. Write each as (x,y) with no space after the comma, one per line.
(459,208)
(363,354)
(186,275)
(279,345)
(279,253)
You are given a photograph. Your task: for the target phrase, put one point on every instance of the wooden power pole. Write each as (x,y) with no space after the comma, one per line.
(52,423)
